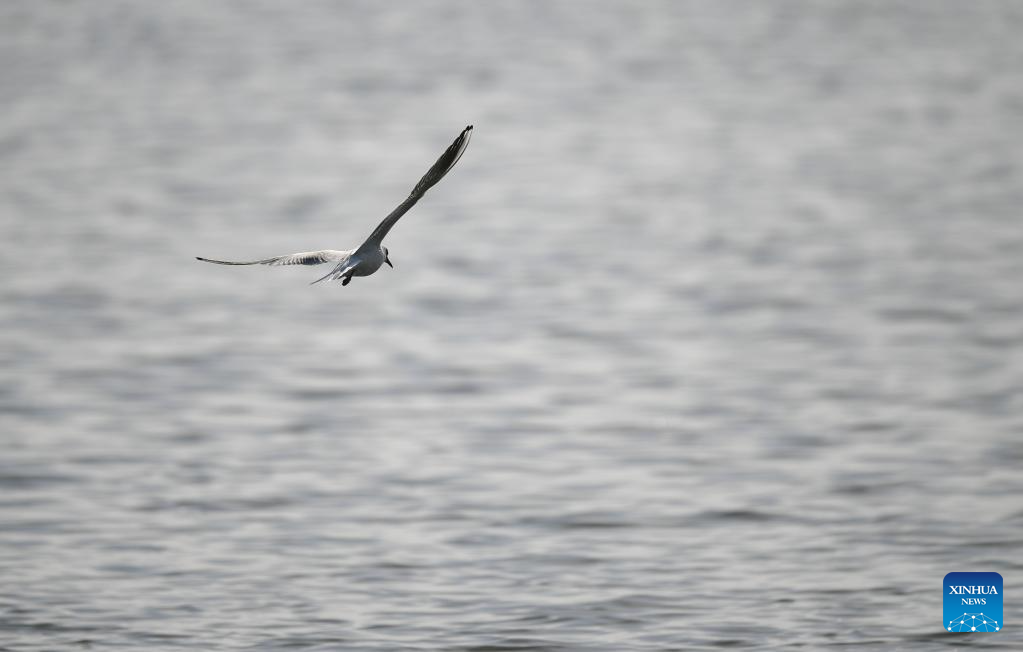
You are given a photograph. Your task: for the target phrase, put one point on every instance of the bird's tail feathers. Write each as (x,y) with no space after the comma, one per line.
(346,268)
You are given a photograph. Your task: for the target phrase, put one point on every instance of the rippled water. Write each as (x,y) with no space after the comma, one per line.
(712,339)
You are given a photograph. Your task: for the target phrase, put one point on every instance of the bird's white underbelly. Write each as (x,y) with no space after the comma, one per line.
(369,262)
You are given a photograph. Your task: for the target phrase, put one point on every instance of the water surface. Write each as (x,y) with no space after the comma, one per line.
(712,339)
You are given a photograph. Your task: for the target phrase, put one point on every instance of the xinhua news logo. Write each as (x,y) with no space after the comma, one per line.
(973,602)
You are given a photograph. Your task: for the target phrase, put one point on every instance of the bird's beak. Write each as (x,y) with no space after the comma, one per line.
(388,261)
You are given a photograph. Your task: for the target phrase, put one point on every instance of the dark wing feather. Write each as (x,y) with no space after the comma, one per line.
(446,161)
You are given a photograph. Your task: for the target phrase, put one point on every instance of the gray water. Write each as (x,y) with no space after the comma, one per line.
(711,340)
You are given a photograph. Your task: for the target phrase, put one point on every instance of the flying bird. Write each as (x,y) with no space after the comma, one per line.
(371,254)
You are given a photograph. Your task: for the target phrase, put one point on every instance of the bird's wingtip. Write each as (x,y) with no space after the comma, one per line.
(468,128)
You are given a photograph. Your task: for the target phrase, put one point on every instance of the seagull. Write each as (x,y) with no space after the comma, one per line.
(371,254)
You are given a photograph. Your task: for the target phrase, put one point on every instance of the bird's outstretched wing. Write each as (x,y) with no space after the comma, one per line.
(446,161)
(301,258)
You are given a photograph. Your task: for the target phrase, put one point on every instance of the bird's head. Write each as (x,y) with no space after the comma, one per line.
(387,258)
